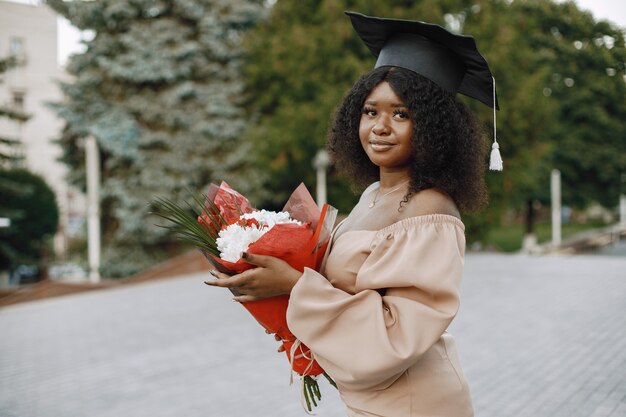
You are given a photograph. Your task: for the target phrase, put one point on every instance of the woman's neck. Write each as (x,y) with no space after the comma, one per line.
(393,178)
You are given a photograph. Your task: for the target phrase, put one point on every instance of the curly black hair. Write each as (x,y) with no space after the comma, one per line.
(448,144)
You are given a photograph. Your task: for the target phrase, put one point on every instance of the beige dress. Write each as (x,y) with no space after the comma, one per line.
(376,318)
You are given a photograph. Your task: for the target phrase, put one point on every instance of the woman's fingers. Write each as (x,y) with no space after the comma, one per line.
(258,260)
(218,274)
(271,277)
(226,281)
(246,298)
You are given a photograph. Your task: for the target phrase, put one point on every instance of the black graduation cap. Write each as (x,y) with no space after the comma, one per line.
(450,60)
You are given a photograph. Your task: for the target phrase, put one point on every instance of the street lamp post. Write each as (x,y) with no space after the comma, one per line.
(556,206)
(622,202)
(4,275)
(93,207)
(622,210)
(321,162)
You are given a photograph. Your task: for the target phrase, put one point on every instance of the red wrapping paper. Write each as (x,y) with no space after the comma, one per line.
(299,245)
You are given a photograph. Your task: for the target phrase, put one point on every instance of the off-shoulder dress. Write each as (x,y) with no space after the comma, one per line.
(376,316)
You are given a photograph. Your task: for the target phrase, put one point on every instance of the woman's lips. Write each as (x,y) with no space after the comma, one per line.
(380,146)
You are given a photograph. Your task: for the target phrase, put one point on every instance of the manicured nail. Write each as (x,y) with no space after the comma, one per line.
(213,272)
(244,255)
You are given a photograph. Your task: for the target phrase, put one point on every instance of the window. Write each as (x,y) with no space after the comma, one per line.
(18,100)
(16,47)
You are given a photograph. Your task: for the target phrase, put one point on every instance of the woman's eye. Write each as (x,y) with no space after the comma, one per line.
(369,111)
(401,114)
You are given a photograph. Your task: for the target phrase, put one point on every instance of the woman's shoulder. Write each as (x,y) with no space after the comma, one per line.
(425,209)
(429,202)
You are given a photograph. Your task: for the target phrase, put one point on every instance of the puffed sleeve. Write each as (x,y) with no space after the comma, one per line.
(367,340)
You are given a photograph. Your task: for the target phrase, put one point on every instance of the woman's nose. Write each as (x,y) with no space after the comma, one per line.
(381,127)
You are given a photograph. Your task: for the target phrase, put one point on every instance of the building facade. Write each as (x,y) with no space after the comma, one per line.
(29,32)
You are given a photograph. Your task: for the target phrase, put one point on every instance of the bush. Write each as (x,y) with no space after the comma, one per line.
(30,203)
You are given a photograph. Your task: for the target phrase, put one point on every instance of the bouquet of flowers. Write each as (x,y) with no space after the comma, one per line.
(227,225)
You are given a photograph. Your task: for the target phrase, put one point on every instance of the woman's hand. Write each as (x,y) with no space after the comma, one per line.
(281,348)
(272,277)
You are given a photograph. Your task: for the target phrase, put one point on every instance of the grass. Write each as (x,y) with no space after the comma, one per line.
(509,238)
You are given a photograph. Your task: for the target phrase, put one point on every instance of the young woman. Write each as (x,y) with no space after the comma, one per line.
(376,314)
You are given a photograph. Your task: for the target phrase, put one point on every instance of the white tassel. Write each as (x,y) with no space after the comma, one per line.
(495,159)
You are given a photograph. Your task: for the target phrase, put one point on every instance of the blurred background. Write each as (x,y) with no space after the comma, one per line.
(106,104)
(174,95)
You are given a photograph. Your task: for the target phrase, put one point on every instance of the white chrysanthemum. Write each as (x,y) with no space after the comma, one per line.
(236,238)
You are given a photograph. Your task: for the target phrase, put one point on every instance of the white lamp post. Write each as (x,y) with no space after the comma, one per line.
(622,202)
(555,187)
(321,162)
(93,207)
(622,210)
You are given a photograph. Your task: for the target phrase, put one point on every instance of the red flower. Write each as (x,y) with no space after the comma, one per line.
(299,245)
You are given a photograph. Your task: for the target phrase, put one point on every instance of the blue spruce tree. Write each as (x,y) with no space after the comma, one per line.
(160,88)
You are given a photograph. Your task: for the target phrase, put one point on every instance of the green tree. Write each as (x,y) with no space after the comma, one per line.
(10,157)
(302,60)
(34,218)
(305,56)
(159,87)
(560,76)
(588,80)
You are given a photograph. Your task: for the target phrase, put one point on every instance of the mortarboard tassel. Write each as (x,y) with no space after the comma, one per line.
(495,159)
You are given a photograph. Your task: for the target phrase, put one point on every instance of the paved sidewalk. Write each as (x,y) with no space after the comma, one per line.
(538,337)
(544,337)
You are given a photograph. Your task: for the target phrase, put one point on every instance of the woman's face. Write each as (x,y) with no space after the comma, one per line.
(386,129)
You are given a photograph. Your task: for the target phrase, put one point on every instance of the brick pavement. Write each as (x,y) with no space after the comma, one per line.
(537,336)
(544,336)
